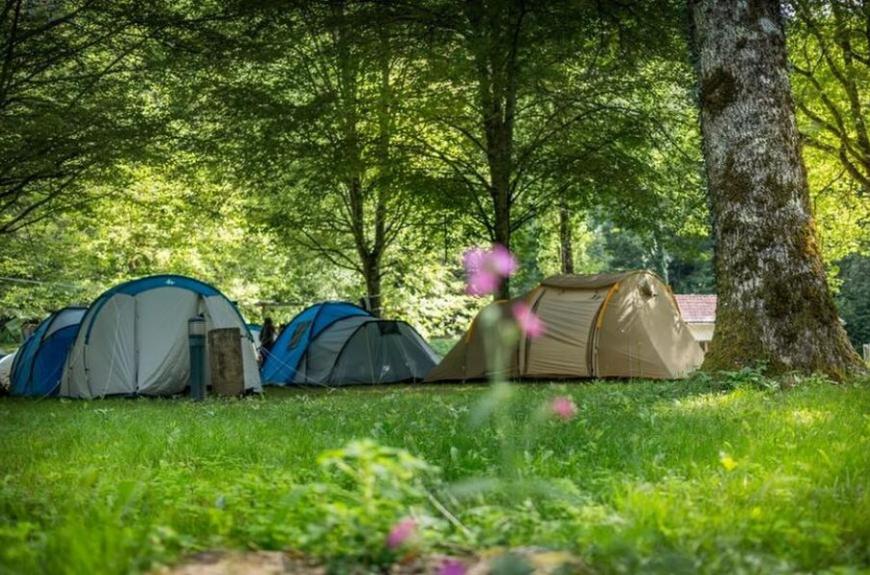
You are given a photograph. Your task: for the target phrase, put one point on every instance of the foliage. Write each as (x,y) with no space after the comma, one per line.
(854,298)
(223,140)
(377,486)
(756,378)
(71,102)
(153,231)
(830,55)
(442,345)
(652,476)
(434,301)
(551,102)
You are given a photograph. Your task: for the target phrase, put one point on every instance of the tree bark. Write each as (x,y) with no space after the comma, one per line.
(373,285)
(662,259)
(774,304)
(384,185)
(566,247)
(500,168)
(495,42)
(370,250)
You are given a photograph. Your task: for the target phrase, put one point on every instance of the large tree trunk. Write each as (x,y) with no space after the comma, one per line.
(566,248)
(495,37)
(384,183)
(500,169)
(370,244)
(774,303)
(373,285)
(502,222)
(369,253)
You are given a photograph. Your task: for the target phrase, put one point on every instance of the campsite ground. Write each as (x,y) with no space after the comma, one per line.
(708,475)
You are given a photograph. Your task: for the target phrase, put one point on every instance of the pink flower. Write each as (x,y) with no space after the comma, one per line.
(482,283)
(474,259)
(563,407)
(501,261)
(487,268)
(530,324)
(452,566)
(401,532)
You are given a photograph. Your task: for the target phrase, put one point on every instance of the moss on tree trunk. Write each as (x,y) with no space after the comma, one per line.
(774,303)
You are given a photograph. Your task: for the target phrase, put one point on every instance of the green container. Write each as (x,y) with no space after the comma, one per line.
(196,342)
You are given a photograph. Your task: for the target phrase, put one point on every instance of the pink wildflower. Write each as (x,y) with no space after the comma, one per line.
(401,532)
(482,283)
(530,324)
(563,407)
(474,259)
(501,261)
(487,268)
(452,566)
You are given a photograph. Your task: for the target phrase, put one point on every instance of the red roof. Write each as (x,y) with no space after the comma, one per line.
(697,308)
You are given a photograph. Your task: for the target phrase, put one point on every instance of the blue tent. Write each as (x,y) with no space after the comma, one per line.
(281,363)
(38,365)
(338,343)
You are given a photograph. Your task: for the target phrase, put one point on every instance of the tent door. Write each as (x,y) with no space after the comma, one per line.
(595,340)
(563,349)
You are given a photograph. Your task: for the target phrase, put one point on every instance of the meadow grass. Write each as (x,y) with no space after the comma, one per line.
(442,345)
(662,477)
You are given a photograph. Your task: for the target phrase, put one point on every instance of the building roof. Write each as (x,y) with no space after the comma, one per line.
(697,308)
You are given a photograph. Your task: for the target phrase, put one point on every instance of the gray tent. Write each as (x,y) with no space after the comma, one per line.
(6,370)
(134,339)
(364,349)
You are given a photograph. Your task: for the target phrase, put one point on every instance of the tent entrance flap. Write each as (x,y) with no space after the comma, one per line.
(563,349)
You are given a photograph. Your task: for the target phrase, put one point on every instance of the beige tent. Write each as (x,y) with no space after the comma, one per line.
(606,325)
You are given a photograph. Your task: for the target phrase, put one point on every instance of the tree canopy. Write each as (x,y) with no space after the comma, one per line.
(295,151)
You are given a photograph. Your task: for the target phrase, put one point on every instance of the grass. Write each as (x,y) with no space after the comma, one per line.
(442,345)
(661,477)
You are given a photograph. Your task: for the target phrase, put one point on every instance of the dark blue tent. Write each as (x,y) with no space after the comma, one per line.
(281,363)
(338,343)
(39,363)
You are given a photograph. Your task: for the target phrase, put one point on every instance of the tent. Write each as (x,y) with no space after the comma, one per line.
(605,325)
(133,340)
(338,343)
(6,371)
(255,330)
(38,365)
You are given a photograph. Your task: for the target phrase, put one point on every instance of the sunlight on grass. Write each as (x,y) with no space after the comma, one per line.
(635,482)
(706,401)
(809,416)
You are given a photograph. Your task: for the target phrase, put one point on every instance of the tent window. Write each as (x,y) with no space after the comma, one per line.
(647,289)
(299,333)
(388,327)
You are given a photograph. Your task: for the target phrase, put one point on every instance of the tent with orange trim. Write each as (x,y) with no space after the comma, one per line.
(605,325)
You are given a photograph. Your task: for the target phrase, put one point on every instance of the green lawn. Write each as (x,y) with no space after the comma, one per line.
(656,477)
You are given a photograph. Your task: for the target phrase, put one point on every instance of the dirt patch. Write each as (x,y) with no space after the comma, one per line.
(526,561)
(237,563)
